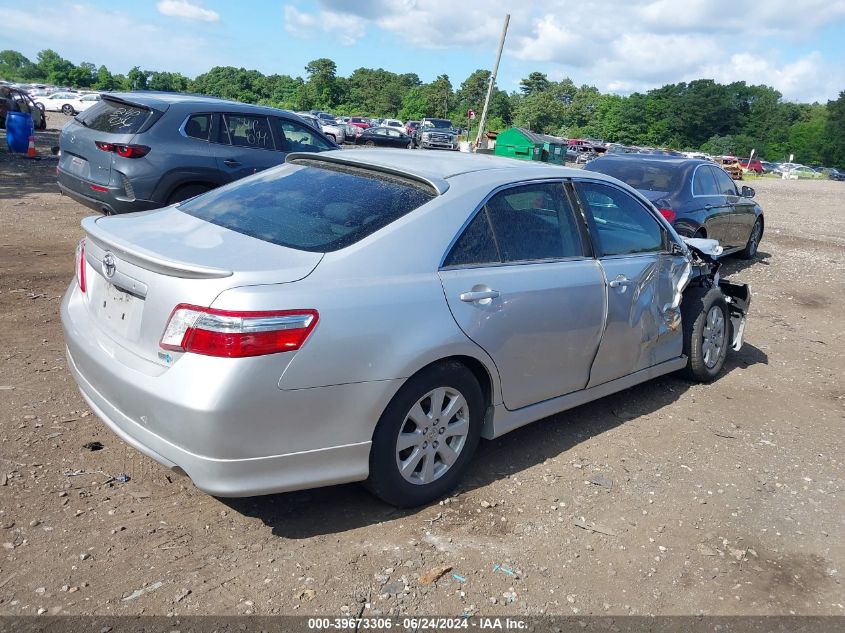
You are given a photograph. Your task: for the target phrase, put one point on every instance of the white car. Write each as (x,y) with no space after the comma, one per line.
(69,103)
(393,123)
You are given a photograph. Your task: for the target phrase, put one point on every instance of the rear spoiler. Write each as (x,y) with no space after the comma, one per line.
(439,185)
(144,258)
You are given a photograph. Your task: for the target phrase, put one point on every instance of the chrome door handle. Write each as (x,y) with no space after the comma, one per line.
(478,295)
(620,282)
(231,162)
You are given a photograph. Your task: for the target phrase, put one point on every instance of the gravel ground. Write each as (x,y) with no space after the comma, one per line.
(669,498)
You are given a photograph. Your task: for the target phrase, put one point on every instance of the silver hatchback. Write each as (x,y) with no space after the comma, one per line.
(370,315)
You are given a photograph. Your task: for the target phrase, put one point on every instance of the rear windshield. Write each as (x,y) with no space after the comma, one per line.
(646,176)
(114,117)
(310,208)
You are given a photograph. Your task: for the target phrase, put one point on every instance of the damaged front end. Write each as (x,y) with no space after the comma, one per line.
(705,274)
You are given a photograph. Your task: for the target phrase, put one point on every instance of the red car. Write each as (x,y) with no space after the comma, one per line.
(755,166)
(360,122)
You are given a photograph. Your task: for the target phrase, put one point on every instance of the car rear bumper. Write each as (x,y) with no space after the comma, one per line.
(111,201)
(190,420)
(437,145)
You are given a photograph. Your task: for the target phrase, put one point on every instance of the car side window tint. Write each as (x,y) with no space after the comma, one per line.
(249,131)
(703,183)
(724,183)
(622,225)
(475,245)
(534,222)
(220,133)
(198,126)
(298,138)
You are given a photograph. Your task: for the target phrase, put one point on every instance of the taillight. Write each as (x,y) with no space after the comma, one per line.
(668,214)
(126,151)
(236,334)
(80,264)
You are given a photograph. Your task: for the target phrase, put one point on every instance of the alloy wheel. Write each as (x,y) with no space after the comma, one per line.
(432,436)
(713,337)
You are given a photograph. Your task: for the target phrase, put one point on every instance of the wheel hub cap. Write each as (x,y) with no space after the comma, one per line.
(432,436)
(713,336)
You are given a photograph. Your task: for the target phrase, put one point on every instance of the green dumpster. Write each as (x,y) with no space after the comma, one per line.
(554,149)
(517,142)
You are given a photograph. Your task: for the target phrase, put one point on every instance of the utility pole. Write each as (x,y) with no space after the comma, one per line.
(492,83)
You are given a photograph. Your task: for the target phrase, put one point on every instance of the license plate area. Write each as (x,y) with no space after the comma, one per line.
(117,310)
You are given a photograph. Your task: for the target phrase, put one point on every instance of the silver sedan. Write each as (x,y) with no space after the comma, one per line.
(370,315)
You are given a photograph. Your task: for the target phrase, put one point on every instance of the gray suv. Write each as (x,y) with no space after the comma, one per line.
(136,151)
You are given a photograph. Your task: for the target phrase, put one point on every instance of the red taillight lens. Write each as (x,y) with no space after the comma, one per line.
(80,264)
(668,214)
(236,334)
(131,151)
(126,151)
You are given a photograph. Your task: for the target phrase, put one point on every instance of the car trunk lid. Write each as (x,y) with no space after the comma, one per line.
(139,267)
(111,120)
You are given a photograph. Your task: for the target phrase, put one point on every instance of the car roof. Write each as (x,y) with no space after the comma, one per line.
(676,161)
(437,168)
(163,100)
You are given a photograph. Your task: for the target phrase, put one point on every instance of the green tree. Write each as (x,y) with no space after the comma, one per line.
(15,65)
(137,79)
(440,96)
(833,151)
(535,83)
(105,80)
(321,87)
(54,68)
(541,112)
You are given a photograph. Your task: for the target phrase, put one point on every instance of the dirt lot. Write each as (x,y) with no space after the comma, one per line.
(719,499)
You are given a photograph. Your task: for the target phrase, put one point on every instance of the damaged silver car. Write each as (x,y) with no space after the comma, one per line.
(370,315)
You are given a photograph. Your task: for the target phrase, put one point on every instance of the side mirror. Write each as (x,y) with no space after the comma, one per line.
(747,192)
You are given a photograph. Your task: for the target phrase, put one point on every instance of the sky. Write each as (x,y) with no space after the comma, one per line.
(621,46)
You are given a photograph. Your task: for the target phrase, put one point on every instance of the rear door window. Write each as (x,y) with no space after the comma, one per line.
(310,207)
(295,137)
(198,126)
(476,245)
(249,131)
(533,222)
(724,183)
(114,117)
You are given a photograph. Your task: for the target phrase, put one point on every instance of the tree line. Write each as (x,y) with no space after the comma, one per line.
(702,114)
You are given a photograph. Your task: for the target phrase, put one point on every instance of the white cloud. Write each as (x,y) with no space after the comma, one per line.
(64,28)
(625,45)
(187,10)
(346,28)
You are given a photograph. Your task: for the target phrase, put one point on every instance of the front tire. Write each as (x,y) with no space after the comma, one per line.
(706,323)
(750,250)
(426,436)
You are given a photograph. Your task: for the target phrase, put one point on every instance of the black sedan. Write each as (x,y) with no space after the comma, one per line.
(697,197)
(383,136)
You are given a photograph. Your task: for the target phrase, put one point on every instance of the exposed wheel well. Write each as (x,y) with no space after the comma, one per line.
(701,232)
(185,185)
(477,368)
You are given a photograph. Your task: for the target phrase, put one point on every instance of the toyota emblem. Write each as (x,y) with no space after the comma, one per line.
(108,265)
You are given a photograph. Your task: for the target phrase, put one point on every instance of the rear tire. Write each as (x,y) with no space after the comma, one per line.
(370,144)
(706,324)
(750,250)
(187,191)
(67,109)
(413,435)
